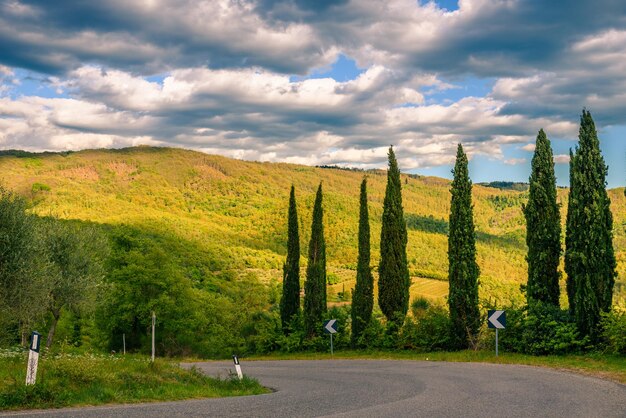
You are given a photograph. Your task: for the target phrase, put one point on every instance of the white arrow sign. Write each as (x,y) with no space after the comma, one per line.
(330,327)
(494,319)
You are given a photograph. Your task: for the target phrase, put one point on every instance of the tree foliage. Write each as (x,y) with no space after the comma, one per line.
(589,256)
(393,271)
(76,256)
(543,228)
(363,298)
(290,301)
(315,284)
(463,270)
(23,286)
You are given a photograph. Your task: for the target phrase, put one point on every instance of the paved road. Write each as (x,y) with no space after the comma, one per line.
(379,388)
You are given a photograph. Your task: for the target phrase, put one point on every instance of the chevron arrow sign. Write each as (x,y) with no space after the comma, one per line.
(330,326)
(496,319)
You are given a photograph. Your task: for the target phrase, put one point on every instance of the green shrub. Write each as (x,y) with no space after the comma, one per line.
(372,336)
(40,187)
(614,330)
(541,330)
(429,330)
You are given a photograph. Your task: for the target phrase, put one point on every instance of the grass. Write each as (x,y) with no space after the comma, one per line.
(611,367)
(77,380)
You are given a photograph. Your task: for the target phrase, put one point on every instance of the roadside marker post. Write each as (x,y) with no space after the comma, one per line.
(496,319)
(153,323)
(330,327)
(33,358)
(237,366)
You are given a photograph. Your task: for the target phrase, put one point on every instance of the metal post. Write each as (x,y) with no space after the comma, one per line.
(124,342)
(331,344)
(153,322)
(496,342)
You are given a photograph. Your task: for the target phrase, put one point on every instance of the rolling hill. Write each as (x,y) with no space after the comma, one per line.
(225,218)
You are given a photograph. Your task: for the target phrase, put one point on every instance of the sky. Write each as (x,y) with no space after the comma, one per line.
(332,82)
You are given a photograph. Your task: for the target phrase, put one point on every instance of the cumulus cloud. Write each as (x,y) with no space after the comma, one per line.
(215,75)
(260,115)
(561,159)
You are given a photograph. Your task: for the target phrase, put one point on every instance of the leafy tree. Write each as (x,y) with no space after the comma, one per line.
(543,228)
(463,270)
(363,298)
(23,288)
(315,284)
(77,255)
(589,256)
(142,278)
(393,270)
(290,301)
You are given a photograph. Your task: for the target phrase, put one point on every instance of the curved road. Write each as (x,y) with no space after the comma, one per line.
(387,388)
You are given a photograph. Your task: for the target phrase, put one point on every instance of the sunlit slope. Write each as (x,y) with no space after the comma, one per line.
(236,210)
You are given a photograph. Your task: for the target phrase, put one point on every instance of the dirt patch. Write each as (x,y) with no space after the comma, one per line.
(122,169)
(81,173)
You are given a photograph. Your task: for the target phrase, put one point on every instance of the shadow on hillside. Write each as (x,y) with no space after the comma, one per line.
(432,225)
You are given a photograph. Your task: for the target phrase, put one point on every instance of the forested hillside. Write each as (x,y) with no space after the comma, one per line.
(220,216)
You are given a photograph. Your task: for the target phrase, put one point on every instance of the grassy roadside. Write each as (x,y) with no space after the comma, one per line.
(611,367)
(73,380)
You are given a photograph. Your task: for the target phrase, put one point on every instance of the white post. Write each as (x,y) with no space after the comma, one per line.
(33,358)
(331,344)
(237,367)
(124,342)
(153,322)
(496,342)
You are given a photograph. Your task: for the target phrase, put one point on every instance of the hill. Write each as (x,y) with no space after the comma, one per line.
(224,219)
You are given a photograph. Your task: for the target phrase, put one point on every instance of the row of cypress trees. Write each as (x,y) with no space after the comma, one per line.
(394,280)
(589,257)
(590,262)
(315,283)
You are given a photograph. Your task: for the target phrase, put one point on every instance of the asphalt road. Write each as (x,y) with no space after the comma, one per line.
(386,388)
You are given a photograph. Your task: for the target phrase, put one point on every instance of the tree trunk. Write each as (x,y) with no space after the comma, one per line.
(55,318)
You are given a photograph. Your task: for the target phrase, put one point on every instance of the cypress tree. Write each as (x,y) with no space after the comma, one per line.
(569,224)
(290,301)
(315,284)
(363,298)
(463,270)
(393,271)
(589,256)
(543,228)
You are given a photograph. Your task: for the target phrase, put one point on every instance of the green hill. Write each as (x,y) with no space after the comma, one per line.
(224,219)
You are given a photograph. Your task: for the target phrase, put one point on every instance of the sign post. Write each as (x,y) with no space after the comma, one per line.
(496,319)
(153,323)
(237,366)
(330,327)
(33,358)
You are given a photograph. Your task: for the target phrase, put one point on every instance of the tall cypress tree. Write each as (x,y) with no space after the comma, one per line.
(315,284)
(463,270)
(393,271)
(363,298)
(569,236)
(290,301)
(543,228)
(589,256)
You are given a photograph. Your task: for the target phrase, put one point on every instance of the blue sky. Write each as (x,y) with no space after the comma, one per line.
(330,82)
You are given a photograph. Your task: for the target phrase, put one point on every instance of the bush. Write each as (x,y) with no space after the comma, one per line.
(541,330)
(428,330)
(614,330)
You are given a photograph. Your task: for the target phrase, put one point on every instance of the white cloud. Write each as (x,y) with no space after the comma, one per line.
(515,161)
(561,159)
